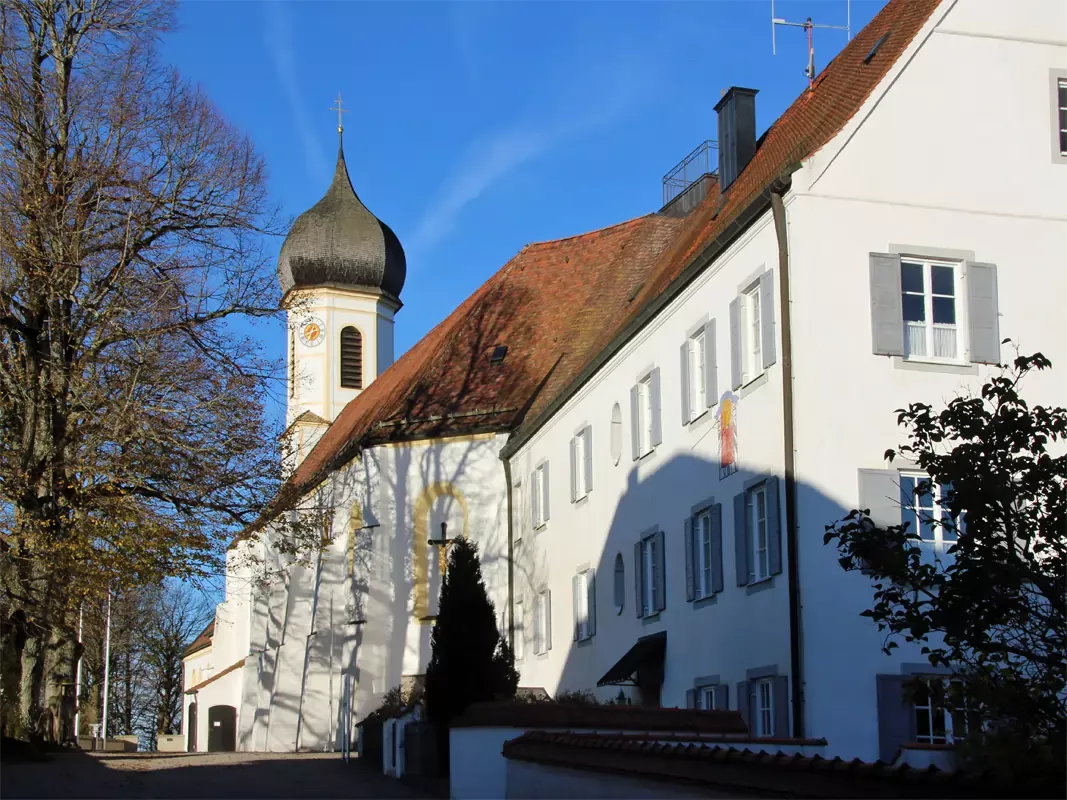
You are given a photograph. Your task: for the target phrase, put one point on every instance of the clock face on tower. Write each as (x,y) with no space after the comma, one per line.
(311,331)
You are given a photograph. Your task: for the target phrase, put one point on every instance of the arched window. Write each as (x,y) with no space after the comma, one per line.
(620,584)
(351,358)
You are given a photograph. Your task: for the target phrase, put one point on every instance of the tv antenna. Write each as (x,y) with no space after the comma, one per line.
(809,27)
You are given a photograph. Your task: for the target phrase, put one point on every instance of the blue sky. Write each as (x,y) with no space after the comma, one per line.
(478,127)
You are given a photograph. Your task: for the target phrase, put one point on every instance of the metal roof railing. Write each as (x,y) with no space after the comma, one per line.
(702,161)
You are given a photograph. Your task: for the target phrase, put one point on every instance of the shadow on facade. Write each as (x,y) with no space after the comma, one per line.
(718,634)
(360,613)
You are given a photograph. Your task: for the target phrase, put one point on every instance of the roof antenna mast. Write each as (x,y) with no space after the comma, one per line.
(808,27)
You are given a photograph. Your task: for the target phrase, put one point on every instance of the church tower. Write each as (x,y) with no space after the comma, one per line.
(341,271)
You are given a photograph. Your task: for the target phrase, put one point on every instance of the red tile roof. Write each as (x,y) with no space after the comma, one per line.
(201,641)
(547,304)
(730,771)
(560,305)
(807,125)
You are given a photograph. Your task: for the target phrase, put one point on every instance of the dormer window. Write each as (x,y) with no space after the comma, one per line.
(351,358)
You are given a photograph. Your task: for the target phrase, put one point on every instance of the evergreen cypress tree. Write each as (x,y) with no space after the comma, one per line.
(470,661)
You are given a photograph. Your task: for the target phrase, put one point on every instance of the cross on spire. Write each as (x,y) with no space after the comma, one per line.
(340,110)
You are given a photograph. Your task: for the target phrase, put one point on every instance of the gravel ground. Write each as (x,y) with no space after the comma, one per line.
(203,775)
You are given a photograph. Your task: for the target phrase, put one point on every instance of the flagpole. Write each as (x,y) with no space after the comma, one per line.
(107,664)
(78,676)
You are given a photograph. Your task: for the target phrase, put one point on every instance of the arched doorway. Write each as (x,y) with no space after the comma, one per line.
(190,729)
(221,729)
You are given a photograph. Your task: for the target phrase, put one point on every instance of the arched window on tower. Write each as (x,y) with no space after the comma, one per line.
(351,358)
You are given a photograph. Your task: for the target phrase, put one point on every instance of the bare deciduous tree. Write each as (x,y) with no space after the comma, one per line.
(132,436)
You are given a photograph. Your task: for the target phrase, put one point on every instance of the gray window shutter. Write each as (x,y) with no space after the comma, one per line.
(533,500)
(711,365)
(588,465)
(716,549)
(735,342)
(887,312)
(537,624)
(575,603)
(574,468)
(781,705)
(774,527)
(657,422)
(722,697)
(661,572)
(896,719)
(590,587)
(690,558)
(983,313)
(685,382)
(743,701)
(639,577)
(880,492)
(545,487)
(548,620)
(742,550)
(766,311)
(635,437)
(690,698)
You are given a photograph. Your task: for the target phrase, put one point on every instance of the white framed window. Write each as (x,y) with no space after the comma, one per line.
(762,705)
(937,721)
(698,379)
(751,334)
(645,424)
(516,501)
(539,494)
(543,622)
(930,293)
(584,605)
(644,416)
(706,698)
(757,509)
(519,641)
(702,531)
(1059,116)
(581,464)
(923,507)
(648,577)
(615,443)
(1061,103)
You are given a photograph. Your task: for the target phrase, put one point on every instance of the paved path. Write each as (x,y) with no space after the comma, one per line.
(200,775)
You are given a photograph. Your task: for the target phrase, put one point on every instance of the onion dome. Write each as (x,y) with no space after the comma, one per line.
(339,241)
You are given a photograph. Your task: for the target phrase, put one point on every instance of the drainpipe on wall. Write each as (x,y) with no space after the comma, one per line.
(778,188)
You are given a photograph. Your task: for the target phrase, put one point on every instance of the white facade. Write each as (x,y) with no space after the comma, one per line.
(362,611)
(317,319)
(947,164)
(949,158)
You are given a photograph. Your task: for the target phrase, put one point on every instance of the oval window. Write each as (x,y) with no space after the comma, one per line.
(620,583)
(616,434)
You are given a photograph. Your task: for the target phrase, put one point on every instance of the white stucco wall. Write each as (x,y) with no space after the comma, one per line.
(983,184)
(531,780)
(353,611)
(738,630)
(951,152)
(317,386)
